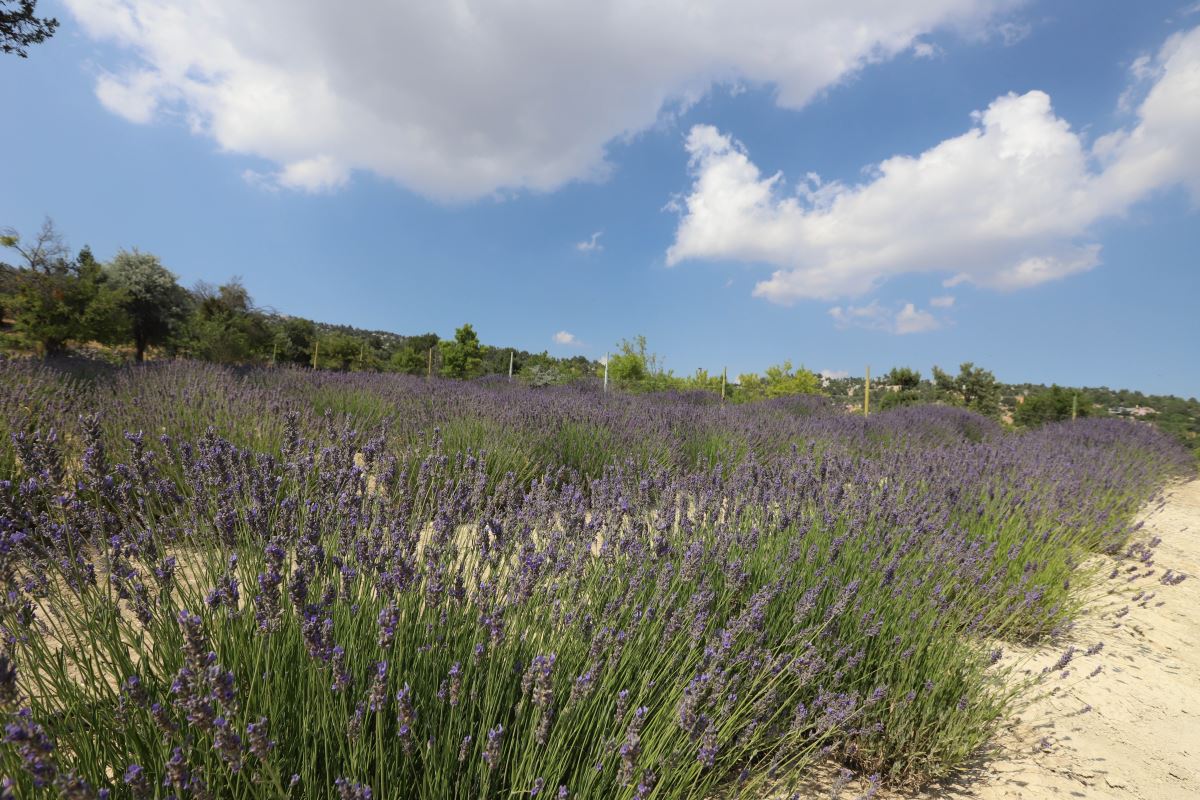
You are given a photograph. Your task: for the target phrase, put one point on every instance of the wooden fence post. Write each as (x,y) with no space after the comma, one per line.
(867,392)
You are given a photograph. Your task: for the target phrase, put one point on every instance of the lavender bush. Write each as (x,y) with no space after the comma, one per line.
(280,584)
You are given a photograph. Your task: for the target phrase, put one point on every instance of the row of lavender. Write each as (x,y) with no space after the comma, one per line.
(327,594)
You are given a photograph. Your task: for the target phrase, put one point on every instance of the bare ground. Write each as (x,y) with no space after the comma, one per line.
(1133,730)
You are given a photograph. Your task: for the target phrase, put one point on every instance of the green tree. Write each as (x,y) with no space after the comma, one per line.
(904,377)
(21,27)
(224,325)
(907,392)
(56,299)
(153,300)
(1051,405)
(779,380)
(974,388)
(462,357)
(339,351)
(412,358)
(633,365)
(292,340)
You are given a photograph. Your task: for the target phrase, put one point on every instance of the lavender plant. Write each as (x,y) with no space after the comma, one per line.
(279,584)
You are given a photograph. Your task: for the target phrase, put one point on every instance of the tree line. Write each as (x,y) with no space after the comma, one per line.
(53,300)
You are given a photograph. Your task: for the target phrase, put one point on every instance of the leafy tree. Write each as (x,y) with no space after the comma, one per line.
(412,358)
(908,383)
(20,27)
(292,340)
(104,318)
(1051,405)
(541,375)
(154,301)
(462,357)
(224,325)
(973,387)
(702,381)
(54,298)
(633,365)
(339,351)
(904,377)
(779,380)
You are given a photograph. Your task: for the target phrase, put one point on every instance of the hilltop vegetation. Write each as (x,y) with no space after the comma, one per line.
(54,302)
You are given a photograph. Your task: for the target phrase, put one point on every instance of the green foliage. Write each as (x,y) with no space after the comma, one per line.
(633,364)
(974,388)
(56,299)
(342,351)
(780,380)
(903,388)
(462,358)
(152,298)
(413,357)
(21,27)
(224,326)
(904,377)
(292,340)
(1053,405)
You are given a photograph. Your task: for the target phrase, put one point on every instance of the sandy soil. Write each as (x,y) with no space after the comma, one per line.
(1141,736)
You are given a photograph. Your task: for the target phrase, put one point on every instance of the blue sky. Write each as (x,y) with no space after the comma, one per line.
(455,182)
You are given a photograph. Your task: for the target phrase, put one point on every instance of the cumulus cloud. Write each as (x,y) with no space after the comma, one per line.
(568,339)
(591,244)
(911,319)
(462,100)
(942,301)
(1009,204)
(874,316)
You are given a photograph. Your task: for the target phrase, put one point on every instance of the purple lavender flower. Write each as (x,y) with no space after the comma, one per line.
(491,751)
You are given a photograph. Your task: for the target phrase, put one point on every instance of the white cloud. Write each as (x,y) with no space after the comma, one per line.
(461,100)
(1013,32)
(943,301)
(873,316)
(591,244)
(568,339)
(926,50)
(834,374)
(1010,203)
(313,174)
(911,319)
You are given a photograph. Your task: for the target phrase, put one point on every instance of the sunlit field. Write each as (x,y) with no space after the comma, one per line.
(280,583)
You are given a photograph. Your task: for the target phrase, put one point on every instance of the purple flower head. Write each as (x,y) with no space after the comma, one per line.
(491,752)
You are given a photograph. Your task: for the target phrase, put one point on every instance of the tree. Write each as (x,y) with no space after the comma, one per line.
(973,387)
(461,358)
(19,27)
(339,351)
(412,358)
(1052,405)
(224,326)
(779,380)
(908,384)
(292,342)
(153,299)
(903,377)
(633,364)
(54,298)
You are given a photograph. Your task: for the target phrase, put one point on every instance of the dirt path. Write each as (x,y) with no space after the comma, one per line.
(1141,736)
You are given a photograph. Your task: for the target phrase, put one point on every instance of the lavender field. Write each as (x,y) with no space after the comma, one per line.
(279,583)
